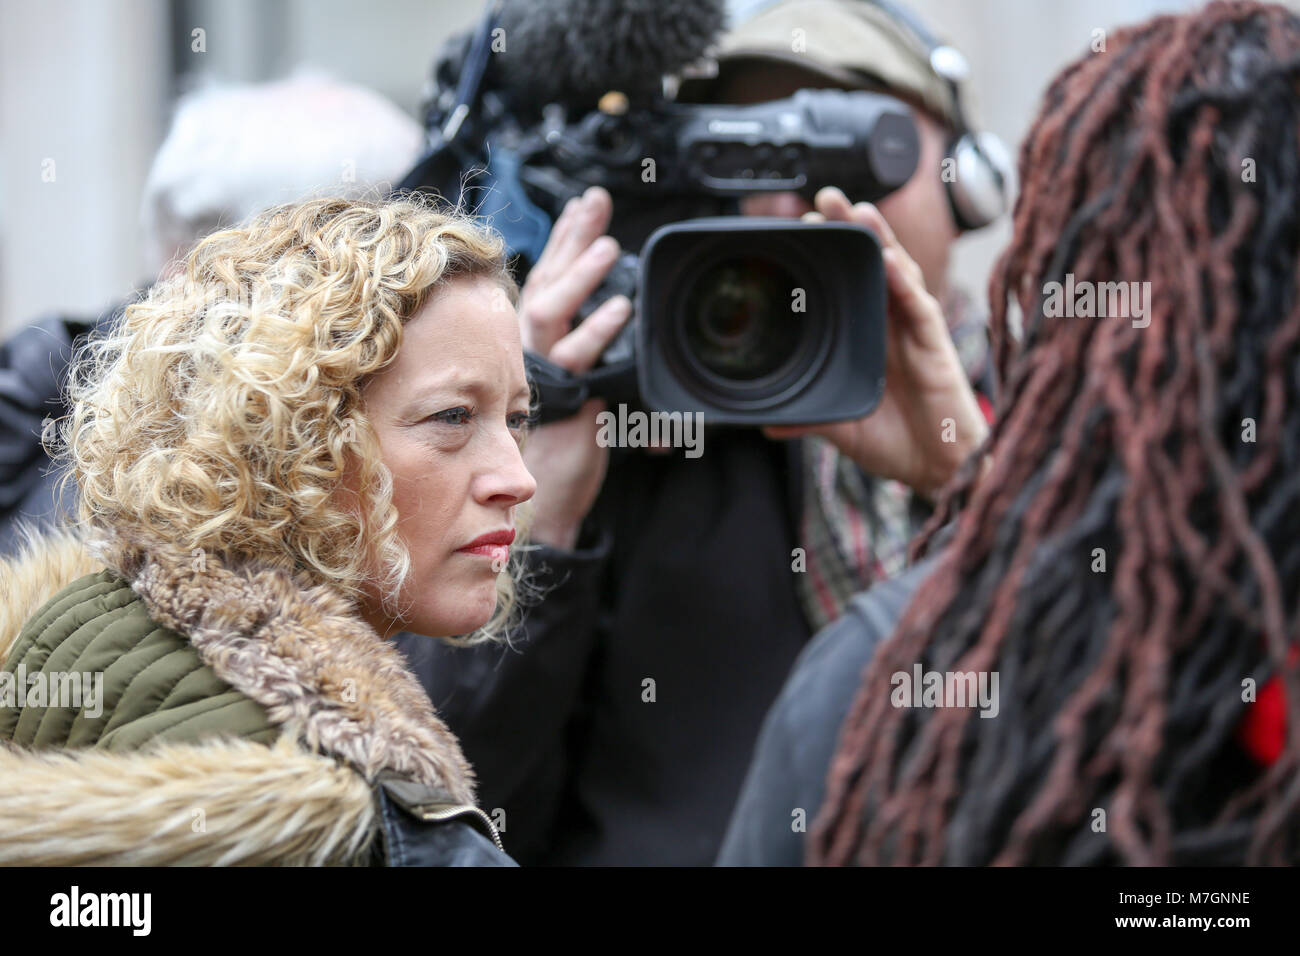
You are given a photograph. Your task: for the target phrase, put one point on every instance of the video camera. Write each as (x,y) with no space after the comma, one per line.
(748,320)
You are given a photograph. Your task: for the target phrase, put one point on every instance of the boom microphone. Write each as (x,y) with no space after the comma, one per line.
(574,51)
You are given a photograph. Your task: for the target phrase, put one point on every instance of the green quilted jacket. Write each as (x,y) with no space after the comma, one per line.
(136,682)
(155,709)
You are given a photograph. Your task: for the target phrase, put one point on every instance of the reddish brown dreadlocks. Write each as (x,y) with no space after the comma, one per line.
(1130,565)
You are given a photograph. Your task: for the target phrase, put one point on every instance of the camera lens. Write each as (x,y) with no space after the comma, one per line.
(739,323)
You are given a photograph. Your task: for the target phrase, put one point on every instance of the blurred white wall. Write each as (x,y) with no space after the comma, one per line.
(81,111)
(86,88)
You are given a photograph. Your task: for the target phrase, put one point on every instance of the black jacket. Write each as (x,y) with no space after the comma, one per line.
(787,780)
(33,375)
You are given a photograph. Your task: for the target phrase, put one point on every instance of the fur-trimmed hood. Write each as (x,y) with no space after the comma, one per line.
(349,709)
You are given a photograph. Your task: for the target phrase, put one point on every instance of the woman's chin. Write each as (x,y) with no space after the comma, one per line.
(468,616)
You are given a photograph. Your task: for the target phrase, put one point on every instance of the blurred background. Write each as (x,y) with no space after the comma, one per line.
(87,89)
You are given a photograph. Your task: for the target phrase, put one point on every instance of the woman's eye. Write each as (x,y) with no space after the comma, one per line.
(519,420)
(452,416)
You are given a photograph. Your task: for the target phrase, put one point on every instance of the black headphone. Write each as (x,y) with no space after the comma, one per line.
(978,172)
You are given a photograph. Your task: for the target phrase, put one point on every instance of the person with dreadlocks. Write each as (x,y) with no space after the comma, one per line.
(1122,550)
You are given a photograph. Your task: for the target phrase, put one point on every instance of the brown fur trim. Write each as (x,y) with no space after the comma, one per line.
(219,803)
(304,654)
(45,565)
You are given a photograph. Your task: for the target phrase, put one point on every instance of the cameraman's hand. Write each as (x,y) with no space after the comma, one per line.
(928,397)
(563,456)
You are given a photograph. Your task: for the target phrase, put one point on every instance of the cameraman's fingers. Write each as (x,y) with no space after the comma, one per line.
(833,204)
(545,266)
(583,276)
(865,214)
(548,311)
(579,350)
(911,305)
(910,301)
(904,275)
(575,230)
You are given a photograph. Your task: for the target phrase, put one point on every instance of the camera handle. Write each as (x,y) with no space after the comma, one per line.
(559,394)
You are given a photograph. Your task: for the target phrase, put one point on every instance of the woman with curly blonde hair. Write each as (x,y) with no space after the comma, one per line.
(302,444)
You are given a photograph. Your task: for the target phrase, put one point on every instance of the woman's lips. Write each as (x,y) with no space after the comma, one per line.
(494,545)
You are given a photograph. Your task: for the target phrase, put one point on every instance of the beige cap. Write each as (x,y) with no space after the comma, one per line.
(852,43)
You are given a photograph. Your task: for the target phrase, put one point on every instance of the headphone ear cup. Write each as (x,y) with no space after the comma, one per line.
(983,181)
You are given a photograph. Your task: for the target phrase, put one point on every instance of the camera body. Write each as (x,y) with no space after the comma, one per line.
(865,143)
(750,321)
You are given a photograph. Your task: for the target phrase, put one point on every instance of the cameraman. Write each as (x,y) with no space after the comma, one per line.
(675,594)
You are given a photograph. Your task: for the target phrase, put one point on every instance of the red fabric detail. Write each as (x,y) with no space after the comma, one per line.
(1262,732)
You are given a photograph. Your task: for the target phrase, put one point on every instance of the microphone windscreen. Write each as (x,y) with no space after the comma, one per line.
(574,51)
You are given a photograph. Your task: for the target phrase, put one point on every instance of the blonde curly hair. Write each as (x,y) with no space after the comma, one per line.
(221,413)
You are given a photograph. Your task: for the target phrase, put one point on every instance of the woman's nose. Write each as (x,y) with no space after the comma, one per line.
(508,480)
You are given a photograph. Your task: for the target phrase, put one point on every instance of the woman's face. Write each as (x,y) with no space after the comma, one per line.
(449,412)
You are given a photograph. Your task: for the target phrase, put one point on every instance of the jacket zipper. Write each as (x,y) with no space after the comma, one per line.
(440,813)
